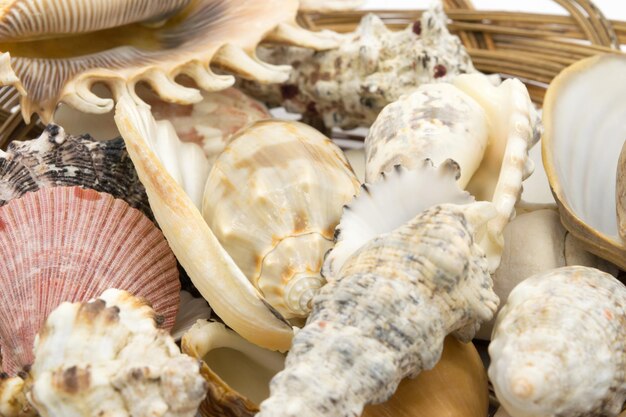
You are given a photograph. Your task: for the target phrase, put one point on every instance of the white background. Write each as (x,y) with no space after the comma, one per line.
(613,9)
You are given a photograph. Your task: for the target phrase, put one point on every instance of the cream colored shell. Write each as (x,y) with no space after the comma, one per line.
(106,357)
(558,345)
(273,199)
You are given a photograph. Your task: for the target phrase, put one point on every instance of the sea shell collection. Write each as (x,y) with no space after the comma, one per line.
(323,282)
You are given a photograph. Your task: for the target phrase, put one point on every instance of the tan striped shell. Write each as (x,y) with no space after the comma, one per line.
(273,199)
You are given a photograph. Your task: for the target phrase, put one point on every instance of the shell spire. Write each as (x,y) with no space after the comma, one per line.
(387,314)
(59,50)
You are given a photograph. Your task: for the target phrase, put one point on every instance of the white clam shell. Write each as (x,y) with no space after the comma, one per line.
(273,199)
(584,133)
(558,345)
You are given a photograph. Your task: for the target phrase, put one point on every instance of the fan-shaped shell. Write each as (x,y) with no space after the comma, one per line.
(67,244)
(273,199)
(110,45)
(558,345)
(58,159)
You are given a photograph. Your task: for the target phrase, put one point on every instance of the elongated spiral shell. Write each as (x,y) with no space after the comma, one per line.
(387,315)
(558,347)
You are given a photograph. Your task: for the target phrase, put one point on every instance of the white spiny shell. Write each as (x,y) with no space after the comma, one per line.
(60,49)
(385,205)
(273,199)
(107,358)
(487,130)
(210,267)
(387,314)
(558,347)
(373,66)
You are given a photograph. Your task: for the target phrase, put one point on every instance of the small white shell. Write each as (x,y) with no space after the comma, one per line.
(106,357)
(273,199)
(558,345)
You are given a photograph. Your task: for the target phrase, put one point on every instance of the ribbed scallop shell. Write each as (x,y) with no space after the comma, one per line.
(70,244)
(558,347)
(102,41)
(27,19)
(58,159)
(386,316)
(273,199)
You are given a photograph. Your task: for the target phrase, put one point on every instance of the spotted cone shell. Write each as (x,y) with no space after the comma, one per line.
(70,244)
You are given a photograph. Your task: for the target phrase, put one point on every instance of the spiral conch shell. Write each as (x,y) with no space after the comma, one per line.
(58,50)
(558,345)
(387,314)
(486,130)
(273,199)
(107,357)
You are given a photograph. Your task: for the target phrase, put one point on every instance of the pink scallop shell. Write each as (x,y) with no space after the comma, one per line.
(70,244)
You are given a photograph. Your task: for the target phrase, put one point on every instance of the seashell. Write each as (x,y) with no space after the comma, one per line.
(58,159)
(538,369)
(211,269)
(385,205)
(13,402)
(455,387)
(535,242)
(249,369)
(581,145)
(487,130)
(107,357)
(226,356)
(273,199)
(212,122)
(387,314)
(58,51)
(67,244)
(356,158)
(620,195)
(373,66)
(190,311)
